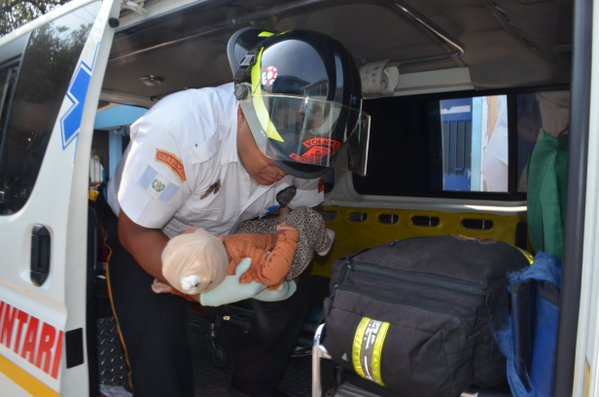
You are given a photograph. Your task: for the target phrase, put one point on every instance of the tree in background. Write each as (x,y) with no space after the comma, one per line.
(17,12)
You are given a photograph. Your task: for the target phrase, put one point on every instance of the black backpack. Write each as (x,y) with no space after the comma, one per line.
(417,316)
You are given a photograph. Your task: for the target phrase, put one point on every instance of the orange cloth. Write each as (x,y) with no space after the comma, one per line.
(272,255)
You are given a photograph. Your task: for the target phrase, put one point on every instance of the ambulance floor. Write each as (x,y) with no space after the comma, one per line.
(212,381)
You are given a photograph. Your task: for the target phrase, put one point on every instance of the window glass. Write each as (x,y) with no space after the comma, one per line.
(405,147)
(8,76)
(35,98)
(475,144)
(471,146)
(547,111)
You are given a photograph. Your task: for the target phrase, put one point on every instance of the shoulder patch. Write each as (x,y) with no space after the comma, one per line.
(173,162)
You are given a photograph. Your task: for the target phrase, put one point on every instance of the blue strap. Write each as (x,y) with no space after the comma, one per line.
(546,268)
(519,386)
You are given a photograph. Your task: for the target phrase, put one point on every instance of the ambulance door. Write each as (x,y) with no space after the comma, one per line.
(50,77)
(586,82)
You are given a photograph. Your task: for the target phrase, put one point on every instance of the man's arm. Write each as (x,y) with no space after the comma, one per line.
(145,245)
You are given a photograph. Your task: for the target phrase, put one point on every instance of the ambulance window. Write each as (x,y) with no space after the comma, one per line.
(42,79)
(8,76)
(448,146)
(529,123)
(474,143)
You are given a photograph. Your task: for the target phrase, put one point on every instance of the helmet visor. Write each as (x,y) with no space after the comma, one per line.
(307,130)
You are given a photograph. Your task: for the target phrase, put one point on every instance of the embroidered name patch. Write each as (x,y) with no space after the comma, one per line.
(172,162)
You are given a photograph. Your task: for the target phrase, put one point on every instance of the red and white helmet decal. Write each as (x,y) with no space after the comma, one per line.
(319,149)
(269,75)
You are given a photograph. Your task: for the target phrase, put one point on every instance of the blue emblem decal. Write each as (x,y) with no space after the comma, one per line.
(71,122)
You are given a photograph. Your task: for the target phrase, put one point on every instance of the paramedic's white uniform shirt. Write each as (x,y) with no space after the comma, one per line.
(182,168)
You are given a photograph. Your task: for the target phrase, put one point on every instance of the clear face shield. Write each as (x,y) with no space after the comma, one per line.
(307,130)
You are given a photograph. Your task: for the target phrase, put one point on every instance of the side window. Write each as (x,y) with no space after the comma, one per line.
(545,112)
(34,89)
(475,144)
(8,76)
(469,146)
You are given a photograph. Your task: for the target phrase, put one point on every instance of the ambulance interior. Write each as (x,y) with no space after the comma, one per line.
(455,91)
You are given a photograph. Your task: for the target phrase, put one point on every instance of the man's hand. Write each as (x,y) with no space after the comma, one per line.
(161,288)
(286,226)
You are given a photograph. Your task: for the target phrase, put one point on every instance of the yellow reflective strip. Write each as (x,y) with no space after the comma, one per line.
(378,353)
(357,347)
(266,34)
(255,74)
(587,379)
(527,255)
(24,380)
(261,111)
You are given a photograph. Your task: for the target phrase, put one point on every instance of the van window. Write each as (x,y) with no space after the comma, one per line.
(35,89)
(468,146)
(474,141)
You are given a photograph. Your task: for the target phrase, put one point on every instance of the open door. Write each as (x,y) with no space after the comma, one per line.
(51,72)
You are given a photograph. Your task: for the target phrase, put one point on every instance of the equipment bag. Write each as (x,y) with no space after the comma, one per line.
(417,316)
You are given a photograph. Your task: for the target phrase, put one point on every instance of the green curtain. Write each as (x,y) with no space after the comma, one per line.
(547,185)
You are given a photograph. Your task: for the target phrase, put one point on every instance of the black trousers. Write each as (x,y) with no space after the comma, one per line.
(154,331)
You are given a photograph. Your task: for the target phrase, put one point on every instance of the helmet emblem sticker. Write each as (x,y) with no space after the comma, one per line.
(269,75)
(320,150)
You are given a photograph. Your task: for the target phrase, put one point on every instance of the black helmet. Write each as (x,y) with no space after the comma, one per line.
(300,92)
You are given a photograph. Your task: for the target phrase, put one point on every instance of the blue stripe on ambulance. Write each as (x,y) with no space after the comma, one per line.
(70,123)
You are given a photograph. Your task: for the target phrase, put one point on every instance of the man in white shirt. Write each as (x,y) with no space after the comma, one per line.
(212,158)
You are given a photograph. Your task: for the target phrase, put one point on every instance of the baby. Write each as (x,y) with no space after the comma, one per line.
(197,262)
(314,235)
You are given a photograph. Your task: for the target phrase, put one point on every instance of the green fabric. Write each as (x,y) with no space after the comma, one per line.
(547,185)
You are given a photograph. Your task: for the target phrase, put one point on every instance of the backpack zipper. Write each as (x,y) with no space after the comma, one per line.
(418,278)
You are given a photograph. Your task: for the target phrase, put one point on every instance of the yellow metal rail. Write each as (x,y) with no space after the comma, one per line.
(360,228)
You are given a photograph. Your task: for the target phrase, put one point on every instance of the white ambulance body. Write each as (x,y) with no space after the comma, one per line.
(59,71)
(47,235)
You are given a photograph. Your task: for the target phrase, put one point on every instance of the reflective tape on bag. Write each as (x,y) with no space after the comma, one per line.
(367,350)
